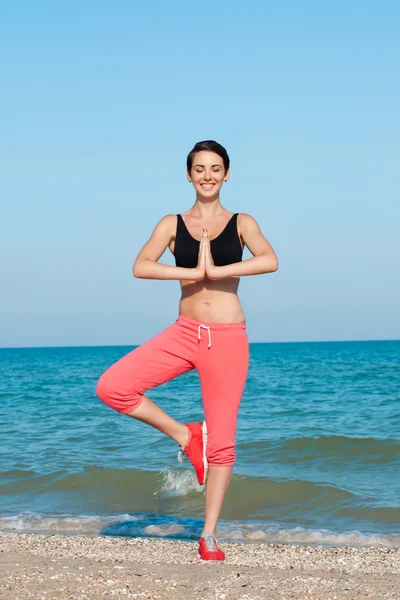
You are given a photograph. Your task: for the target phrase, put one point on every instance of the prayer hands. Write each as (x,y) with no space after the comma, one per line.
(200,270)
(205,263)
(211,269)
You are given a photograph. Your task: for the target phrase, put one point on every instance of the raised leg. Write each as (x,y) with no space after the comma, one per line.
(148,412)
(157,361)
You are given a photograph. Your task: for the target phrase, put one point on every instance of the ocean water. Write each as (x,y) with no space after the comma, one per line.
(318,447)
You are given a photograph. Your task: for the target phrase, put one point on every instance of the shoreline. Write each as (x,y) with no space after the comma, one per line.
(92,566)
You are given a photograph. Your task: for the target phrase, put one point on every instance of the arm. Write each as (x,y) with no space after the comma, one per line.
(264,258)
(146,265)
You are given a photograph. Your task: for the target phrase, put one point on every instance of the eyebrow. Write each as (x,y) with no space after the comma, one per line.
(203,166)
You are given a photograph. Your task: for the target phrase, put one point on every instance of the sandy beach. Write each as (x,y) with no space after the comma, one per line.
(54,566)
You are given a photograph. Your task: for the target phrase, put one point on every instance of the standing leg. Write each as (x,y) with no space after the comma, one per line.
(217,485)
(157,361)
(223,370)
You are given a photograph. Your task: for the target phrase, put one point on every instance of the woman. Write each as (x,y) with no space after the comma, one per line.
(209,335)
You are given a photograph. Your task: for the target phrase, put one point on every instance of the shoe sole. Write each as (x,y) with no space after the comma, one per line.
(210,559)
(205,462)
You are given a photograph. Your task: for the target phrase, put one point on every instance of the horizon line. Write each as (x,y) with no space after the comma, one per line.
(251,343)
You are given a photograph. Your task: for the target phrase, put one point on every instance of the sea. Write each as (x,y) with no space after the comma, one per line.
(318,449)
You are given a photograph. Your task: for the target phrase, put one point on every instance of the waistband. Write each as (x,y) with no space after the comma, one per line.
(194,323)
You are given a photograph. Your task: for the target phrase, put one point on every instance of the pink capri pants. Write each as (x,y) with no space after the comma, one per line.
(219,352)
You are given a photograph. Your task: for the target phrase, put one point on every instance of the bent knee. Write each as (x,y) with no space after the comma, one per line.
(103,388)
(122,400)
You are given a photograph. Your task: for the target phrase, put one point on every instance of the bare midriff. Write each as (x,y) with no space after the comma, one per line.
(212,301)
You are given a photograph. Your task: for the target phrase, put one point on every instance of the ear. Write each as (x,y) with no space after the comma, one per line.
(226,176)
(188,177)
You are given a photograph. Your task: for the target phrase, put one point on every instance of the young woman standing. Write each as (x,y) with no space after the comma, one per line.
(209,335)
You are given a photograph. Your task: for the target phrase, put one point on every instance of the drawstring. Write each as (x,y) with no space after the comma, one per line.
(209,334)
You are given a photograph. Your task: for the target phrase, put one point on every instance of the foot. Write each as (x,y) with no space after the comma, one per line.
(208,549)
(195,449)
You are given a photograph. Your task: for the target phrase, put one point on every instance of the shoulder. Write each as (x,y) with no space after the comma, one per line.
(166,225)
(247,223)
(167,221)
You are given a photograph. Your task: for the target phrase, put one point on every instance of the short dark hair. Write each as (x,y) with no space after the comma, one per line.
(209,146)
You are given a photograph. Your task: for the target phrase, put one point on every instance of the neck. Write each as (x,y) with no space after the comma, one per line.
(207,208)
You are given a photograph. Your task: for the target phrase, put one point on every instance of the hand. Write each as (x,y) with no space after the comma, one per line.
(211,269)
(200,270)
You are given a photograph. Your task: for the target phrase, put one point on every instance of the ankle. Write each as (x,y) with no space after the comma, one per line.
(184,436)
(206,532)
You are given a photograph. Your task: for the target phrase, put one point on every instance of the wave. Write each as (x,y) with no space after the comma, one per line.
(176,492)
(165,527)
(165,483)
(340,448)
(169,482)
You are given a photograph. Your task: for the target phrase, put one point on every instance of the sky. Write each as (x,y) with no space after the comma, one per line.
(100,104)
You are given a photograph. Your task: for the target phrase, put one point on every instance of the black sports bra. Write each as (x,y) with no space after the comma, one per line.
(225,248)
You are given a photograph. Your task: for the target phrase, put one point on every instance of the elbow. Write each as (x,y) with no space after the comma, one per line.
(142,269)
(272,264)
(137,270)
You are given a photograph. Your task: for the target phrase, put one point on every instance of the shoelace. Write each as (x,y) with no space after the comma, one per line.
(211,543)
(181,454)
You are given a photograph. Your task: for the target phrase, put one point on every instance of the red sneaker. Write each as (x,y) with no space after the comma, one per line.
(195,450)
(208,549)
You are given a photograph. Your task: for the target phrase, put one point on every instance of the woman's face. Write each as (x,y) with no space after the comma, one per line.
(207,173)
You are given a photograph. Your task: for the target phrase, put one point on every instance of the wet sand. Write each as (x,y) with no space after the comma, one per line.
(62,567)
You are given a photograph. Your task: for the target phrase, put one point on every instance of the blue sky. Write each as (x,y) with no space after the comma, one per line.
(101,102)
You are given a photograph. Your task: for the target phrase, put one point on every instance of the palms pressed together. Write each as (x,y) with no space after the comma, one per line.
(205,265)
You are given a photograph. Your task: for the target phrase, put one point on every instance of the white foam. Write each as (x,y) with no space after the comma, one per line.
(178,482)
(30,521)
(255,532)
(163,529)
